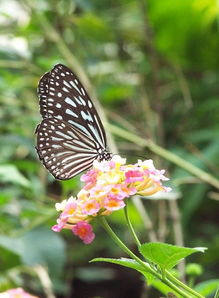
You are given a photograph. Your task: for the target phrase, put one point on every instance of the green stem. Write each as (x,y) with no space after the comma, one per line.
(145,265)
(106,226)
(131,227)
(182,285)
(165,154)
(171,278)
(176,289)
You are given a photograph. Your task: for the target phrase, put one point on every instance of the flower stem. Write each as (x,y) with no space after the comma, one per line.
(171,278)
(182,285)
(145,265)
(116,239)
(131,227)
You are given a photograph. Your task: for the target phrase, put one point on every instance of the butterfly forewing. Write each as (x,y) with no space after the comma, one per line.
(62,96)
(71,135)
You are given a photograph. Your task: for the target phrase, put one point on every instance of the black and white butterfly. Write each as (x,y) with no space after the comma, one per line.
(71,135)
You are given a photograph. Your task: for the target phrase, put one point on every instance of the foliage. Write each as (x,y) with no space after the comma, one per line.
(165,255)
(154,68)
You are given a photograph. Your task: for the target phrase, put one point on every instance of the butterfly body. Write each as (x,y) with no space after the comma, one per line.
(71,135)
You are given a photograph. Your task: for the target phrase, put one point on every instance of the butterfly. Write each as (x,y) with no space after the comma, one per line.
(71,135)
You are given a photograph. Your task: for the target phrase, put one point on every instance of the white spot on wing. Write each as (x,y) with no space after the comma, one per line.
(86,116)
(90,104)
(56,146)
(82,100)
(78,100)
(82,90)
(67,84)
(96,134)
(56,139)
(101,132)
(70,112)
(65,136)
(59,117)
(80,127)
(65,89)
(75,86)
(70,101)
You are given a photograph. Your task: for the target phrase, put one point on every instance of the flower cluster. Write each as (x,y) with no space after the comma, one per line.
(16,293)
(107,185)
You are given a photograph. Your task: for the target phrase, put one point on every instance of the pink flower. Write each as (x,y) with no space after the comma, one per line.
(112,164)
(89,178)
(60,225)
(69,210)
(120,191)
(134,176)
(130,191)
(84,231)
(16,293)
(111,203)
(90,207)
(99,191)
(156,175)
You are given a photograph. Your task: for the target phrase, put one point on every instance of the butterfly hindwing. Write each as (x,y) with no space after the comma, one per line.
(65,151)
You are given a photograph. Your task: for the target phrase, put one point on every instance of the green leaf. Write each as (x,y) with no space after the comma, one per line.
(9,173)
(207,287)
(166,255)
(130,263)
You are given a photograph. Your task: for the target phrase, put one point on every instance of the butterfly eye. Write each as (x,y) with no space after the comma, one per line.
(71,135)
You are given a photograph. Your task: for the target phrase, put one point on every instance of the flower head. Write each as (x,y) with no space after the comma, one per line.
(107,185)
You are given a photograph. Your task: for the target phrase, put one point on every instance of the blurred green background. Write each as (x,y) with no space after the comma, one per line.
(153,66)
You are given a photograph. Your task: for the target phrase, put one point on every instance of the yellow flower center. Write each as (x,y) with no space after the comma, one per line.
(112,203)
(89,206)
(71,211)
